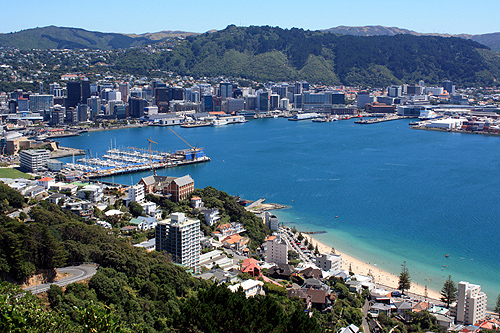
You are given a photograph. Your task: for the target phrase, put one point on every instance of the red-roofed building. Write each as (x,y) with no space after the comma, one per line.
(46,182)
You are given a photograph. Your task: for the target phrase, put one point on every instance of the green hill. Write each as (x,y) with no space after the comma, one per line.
(53,37)
(269,53)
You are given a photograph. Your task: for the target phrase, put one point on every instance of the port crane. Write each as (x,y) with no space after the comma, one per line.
(194,149)
(150,160)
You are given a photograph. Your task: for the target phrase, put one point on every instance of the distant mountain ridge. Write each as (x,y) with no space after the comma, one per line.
(492,40)
(53,37)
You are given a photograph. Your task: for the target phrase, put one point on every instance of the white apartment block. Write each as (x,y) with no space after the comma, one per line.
(136,193)
(471,303)
(277,251)
(329,262)
(180,236)
(34,159)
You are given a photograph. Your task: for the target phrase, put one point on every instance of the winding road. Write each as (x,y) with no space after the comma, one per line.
(78,273)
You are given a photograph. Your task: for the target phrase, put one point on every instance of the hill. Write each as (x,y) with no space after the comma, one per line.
(492,40)
(53,37)
(270,53)
(161,35)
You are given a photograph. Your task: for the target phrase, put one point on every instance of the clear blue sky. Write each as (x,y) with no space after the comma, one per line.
(127,16)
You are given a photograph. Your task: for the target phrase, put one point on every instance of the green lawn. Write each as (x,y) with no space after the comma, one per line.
(13,173)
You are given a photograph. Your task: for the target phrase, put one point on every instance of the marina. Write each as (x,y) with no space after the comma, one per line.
(121,161)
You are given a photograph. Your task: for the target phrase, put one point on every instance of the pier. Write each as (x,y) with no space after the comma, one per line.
(378,120)
(121,161)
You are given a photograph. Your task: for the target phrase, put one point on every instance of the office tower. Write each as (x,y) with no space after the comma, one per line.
(94,104)
(448,86)
(226,90)
(208,104)
(40,102)
(124,89)
(180,237)
(136,107)
(83,112)
(74,93)
(274,101)
(85,90)
(263,101)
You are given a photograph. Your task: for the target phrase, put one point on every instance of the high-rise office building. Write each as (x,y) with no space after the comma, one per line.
(180,237)
(124,89)
(226,90)
(208,104)
(86,91)
(74,94)
(448,86)
(94,104)
(40,102)
(136,107)
(263,101)
(83,112)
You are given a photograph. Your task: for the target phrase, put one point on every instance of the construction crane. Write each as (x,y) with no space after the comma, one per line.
(192,148)
(150,160)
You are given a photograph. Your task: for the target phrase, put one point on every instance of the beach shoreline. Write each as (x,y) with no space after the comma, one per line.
(382,277)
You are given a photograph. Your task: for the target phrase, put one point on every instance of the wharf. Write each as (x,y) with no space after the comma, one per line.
(201,124)
(378,120)
(66,151)
(144,167)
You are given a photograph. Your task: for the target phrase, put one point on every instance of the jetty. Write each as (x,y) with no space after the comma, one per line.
(378,120)
(121,161)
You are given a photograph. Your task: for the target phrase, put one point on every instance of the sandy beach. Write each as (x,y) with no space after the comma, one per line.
(381,277)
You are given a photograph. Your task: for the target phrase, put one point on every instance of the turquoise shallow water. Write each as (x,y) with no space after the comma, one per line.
(399,194)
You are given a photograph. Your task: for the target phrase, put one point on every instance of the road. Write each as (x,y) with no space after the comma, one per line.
(78,273)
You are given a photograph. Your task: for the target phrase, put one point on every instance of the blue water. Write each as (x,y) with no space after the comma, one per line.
(399,194)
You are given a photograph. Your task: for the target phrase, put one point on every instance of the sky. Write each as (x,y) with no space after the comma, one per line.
(127,16)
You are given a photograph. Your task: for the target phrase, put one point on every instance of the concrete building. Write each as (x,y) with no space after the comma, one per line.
(180,237)
(34,160)
(271,221)
(136,193)
(471,304)
(277,251)
(329,262)
(364,98)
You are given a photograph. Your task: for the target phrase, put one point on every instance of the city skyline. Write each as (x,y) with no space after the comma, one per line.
(455,17)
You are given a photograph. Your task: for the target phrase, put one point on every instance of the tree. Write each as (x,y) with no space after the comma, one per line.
(316,250)
(300,237)
(497,307)
(135,209)
(404,279)
(449,291)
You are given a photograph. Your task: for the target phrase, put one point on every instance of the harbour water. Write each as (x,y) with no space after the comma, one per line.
(399,194)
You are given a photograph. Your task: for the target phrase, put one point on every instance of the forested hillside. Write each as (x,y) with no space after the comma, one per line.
(268,53)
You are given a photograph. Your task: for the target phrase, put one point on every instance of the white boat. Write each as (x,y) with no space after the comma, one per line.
(218,122)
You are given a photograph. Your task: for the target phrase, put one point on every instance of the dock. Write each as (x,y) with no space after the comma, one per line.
(378,120)
(129,160)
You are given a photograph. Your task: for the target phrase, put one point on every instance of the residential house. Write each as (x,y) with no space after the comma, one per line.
(235,242)
(215,258)
(144,223)
(33,191)
(379,308)
(151,209)
(219,276)
(196,203)
(104,224)
(250,287)
(46,182)
(316,298)
(128,228)
(281,271)
(349,329)
(227,229)
(251,266)
(81,207)
(93,193)
(179,188)
(211,215)
(311,272)
(56,197)
(149,245)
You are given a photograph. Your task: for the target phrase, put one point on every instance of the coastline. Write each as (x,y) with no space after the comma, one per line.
(381,277)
